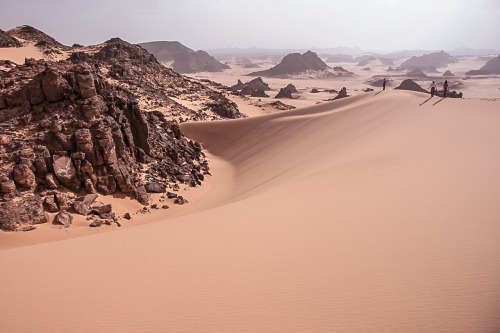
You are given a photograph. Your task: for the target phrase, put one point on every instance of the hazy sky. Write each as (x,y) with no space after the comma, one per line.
(384,25)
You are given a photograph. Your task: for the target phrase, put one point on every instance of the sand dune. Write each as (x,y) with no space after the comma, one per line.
(377,212)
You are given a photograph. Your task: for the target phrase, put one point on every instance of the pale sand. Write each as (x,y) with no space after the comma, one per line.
(367,214)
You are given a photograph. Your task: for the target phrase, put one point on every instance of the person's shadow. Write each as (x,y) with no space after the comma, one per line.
(428,99)
(439,101)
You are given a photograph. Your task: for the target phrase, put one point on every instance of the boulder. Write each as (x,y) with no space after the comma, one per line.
(50,204)
(63,218)
(154,187)
(23,176)
(97,223)
(8,186)
(410,85)
(81,208)
(100,208)
(54,86)
(64,169)
(86,85)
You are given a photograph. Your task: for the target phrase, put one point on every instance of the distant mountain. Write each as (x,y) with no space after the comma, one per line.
(491,67)
(184,59)
(294,63)
(428,62)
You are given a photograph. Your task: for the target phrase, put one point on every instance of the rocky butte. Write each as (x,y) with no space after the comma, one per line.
(306,64)
(100,121)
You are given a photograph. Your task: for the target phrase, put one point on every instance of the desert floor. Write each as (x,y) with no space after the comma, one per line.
(377,212)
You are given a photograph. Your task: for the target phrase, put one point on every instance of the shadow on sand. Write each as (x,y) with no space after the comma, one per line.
(428,99)
(439,101)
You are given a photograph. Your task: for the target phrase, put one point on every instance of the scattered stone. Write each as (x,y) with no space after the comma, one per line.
(63,218)
(180,200)
(171,195)
(81,208)
(154,187)
(154,206)
(127,216)
(100,208)
(96,223)
(165,207)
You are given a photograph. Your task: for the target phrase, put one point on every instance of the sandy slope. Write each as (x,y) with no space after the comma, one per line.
(372,213)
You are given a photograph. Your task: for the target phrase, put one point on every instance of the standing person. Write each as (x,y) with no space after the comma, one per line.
(445,88)
(383,84)
(433,88)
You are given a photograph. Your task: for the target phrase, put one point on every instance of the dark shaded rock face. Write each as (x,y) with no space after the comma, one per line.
(255,88)
(286,92)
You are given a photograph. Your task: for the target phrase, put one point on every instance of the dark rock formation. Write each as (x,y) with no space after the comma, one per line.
(255,88)
(448,73)
(294,63)
(286,92)
(408,84)
(491,67)
(342,93)
(417,72)
(184,59)
(290,87)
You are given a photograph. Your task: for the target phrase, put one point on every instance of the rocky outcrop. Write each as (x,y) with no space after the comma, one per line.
(255,88)
(182,58)
(448,73)
(102,121)
(409,84)
(342,93)
(294,63)
(287,92)
(69,129)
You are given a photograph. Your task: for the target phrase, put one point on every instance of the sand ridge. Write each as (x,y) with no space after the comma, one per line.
(371,213)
